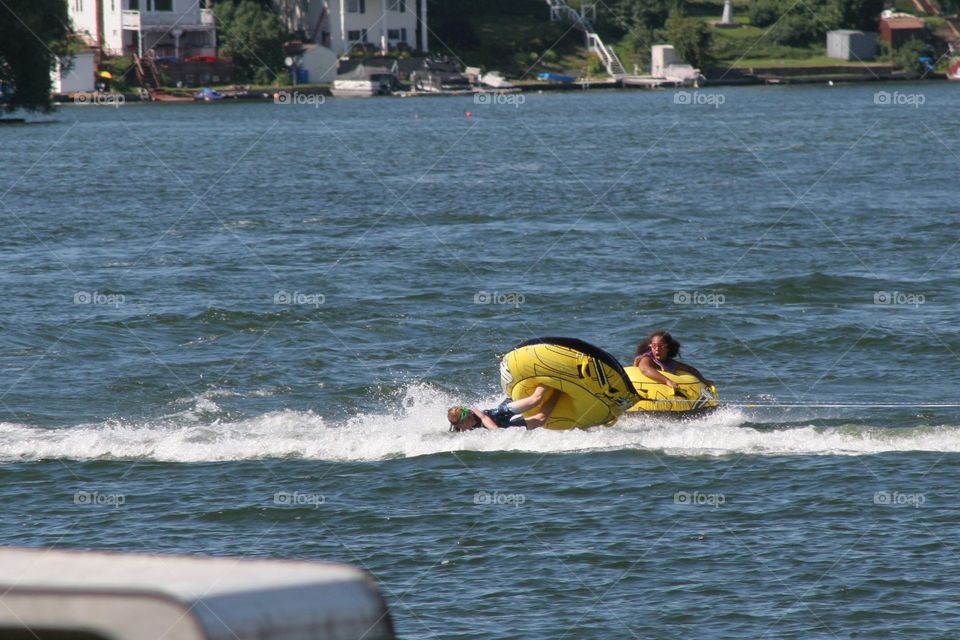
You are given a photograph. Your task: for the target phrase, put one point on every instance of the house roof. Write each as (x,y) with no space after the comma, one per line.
(903,23)
(367,65)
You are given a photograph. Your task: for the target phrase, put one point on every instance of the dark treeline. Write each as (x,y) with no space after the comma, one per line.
(33,33)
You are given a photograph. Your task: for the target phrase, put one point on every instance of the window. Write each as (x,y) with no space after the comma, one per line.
(393,34)
(133,5)
(398,5)
(163,5)
(357,36)
(356,6)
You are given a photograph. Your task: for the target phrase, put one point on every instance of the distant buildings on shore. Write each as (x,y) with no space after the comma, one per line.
(161,28)
(177,29)
(341,25)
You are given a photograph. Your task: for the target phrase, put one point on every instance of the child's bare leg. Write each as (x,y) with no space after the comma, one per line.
(540,418)
(532,400)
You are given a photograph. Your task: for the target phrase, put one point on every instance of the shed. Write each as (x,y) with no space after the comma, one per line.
(897,31)
(661,57)
(76,75)
(847,44)
(666,64)
(319,63)
(48,593)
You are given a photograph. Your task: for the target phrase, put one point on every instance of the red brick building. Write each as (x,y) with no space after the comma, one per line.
(897,31)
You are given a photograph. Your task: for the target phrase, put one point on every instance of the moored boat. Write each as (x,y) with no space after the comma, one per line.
(953,73)
(440,75)
(364,82)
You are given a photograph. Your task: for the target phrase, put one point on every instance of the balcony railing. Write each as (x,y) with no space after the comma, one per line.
(147,20)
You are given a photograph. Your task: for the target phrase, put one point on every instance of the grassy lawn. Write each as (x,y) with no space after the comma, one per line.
(747,40)
(749,46)
(814,61)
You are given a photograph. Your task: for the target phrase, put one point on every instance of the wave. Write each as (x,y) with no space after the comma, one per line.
(203,433)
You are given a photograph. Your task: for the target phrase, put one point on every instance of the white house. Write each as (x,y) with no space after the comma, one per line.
(161,27)
(341,24)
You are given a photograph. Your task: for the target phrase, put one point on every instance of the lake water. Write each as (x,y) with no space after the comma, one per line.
(235,329)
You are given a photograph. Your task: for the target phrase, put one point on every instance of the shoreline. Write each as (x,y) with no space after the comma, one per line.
(735,78)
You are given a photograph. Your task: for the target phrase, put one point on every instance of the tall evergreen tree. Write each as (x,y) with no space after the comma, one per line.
(33,34)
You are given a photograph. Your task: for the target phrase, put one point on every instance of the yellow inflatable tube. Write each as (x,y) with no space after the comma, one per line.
(596,390)
(694,397)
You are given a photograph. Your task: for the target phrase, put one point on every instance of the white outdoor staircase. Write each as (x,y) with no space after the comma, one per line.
(583,19)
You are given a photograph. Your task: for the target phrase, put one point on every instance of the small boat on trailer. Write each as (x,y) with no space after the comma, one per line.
(366,81)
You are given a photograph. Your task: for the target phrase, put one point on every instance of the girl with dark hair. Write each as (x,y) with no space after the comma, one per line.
(658,353)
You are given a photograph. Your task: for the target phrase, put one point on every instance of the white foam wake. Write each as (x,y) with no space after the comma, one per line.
(417,428)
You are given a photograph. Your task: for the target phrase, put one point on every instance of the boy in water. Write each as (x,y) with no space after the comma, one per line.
(508,414)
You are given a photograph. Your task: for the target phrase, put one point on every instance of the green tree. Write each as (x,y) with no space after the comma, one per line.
(763,13)
(798,28)
(638,15)
(637,23)
(859,14)
(799,24)
(252,37)
(458,32)
(691,38)
(33,34)
(907,56)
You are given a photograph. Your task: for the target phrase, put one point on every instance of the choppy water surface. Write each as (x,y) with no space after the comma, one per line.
(235,328)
